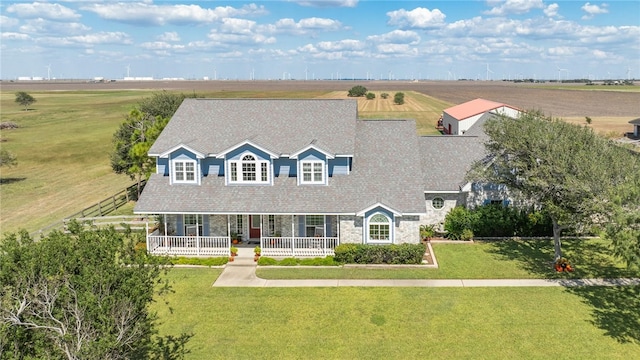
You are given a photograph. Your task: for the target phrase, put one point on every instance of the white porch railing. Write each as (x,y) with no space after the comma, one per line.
(298,246)
(189,245)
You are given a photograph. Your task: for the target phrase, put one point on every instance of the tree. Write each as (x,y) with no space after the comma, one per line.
(624,228)
(566,169)
(398,98)
(7,158)
(371,96)
(24,99)
(132,141)
(81,295)
(357,91)
(136,134)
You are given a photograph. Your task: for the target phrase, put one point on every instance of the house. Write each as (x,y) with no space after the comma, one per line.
(298,177)
(636,127)
(458,119)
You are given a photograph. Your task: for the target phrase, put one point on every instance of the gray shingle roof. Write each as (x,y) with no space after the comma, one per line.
(282,126)
(386,170)
(446,160)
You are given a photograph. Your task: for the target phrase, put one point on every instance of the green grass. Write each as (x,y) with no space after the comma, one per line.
(484,260)
(63,147)
(400,323)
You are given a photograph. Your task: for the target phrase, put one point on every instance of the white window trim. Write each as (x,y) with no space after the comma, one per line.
(258,162)
(438,208)
(196,171)
(368,229)
(312,181)
(307,225)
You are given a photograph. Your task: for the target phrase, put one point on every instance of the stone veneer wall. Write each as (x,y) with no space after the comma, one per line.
(407,230)
(350,229)
(436,216)
(218,225)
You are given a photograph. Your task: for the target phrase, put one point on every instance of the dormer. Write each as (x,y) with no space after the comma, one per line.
(313,165)
(248,164)
(184,164)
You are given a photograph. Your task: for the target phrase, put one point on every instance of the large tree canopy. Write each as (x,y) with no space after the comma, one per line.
(136,134)
(567,169)
(80,295)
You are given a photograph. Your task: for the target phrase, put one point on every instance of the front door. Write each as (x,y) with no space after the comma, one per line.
(254,227)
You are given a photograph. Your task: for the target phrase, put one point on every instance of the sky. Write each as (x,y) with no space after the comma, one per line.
(331,39)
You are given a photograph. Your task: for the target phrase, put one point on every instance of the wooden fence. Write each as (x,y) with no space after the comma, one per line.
(99,209)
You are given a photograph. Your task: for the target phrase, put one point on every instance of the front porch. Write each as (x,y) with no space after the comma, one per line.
(220,245)
(213,235)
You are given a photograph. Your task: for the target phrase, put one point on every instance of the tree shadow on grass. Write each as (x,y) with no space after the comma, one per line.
(589,258)
(6,181)
(615,309)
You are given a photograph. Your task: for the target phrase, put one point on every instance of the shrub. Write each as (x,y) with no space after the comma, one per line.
(398,98)
(371,96)
(212,261)
(288,262)
(379,254)
(267,261)
(357,91)
(456,221)
(384,95)
(467,234)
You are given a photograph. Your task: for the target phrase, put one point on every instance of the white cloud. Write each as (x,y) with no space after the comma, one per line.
(416,18)
(397,37)
(507,7)
(305,26)
(158,15)
(396,49)
(13,36)
(161,45)
(593,10)
(49,11)
(7,22)
(171,36)
(328,3)
(46,27)
(561,51)
(552,10)
(347,44)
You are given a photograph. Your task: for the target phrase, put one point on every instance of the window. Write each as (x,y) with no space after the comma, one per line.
(249,169)
(191,223)
(239,224)
(314,225)
(437,203)
(312,172)
(496,202)
(379,228)
(184,171)
(272,224)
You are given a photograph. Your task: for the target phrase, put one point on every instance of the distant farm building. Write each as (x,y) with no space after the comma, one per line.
(458,119)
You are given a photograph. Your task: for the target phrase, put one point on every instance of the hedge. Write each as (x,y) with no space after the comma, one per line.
(380,254)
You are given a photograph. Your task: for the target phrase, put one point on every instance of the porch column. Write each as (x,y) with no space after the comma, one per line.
(197,235)
(293,234)
(147,234)
(164,240)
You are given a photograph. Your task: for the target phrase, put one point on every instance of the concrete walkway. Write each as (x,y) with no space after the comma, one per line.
(242,273)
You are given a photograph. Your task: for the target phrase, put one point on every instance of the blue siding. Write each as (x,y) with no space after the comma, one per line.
(163,166)
(285,167)
(301,222)
(182,154)
(379,210)
(205,225)
(213,167)
(339,166)
(180,225)
(235,154)
(312,154)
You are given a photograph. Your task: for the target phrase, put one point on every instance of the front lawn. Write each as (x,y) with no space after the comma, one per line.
(400,323)
(512,259)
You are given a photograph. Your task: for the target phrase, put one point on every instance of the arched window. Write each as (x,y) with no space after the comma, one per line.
(249,169)
(379,228)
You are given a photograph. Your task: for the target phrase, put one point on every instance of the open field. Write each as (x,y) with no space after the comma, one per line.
(424,109)
(64,140)
(400,323)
